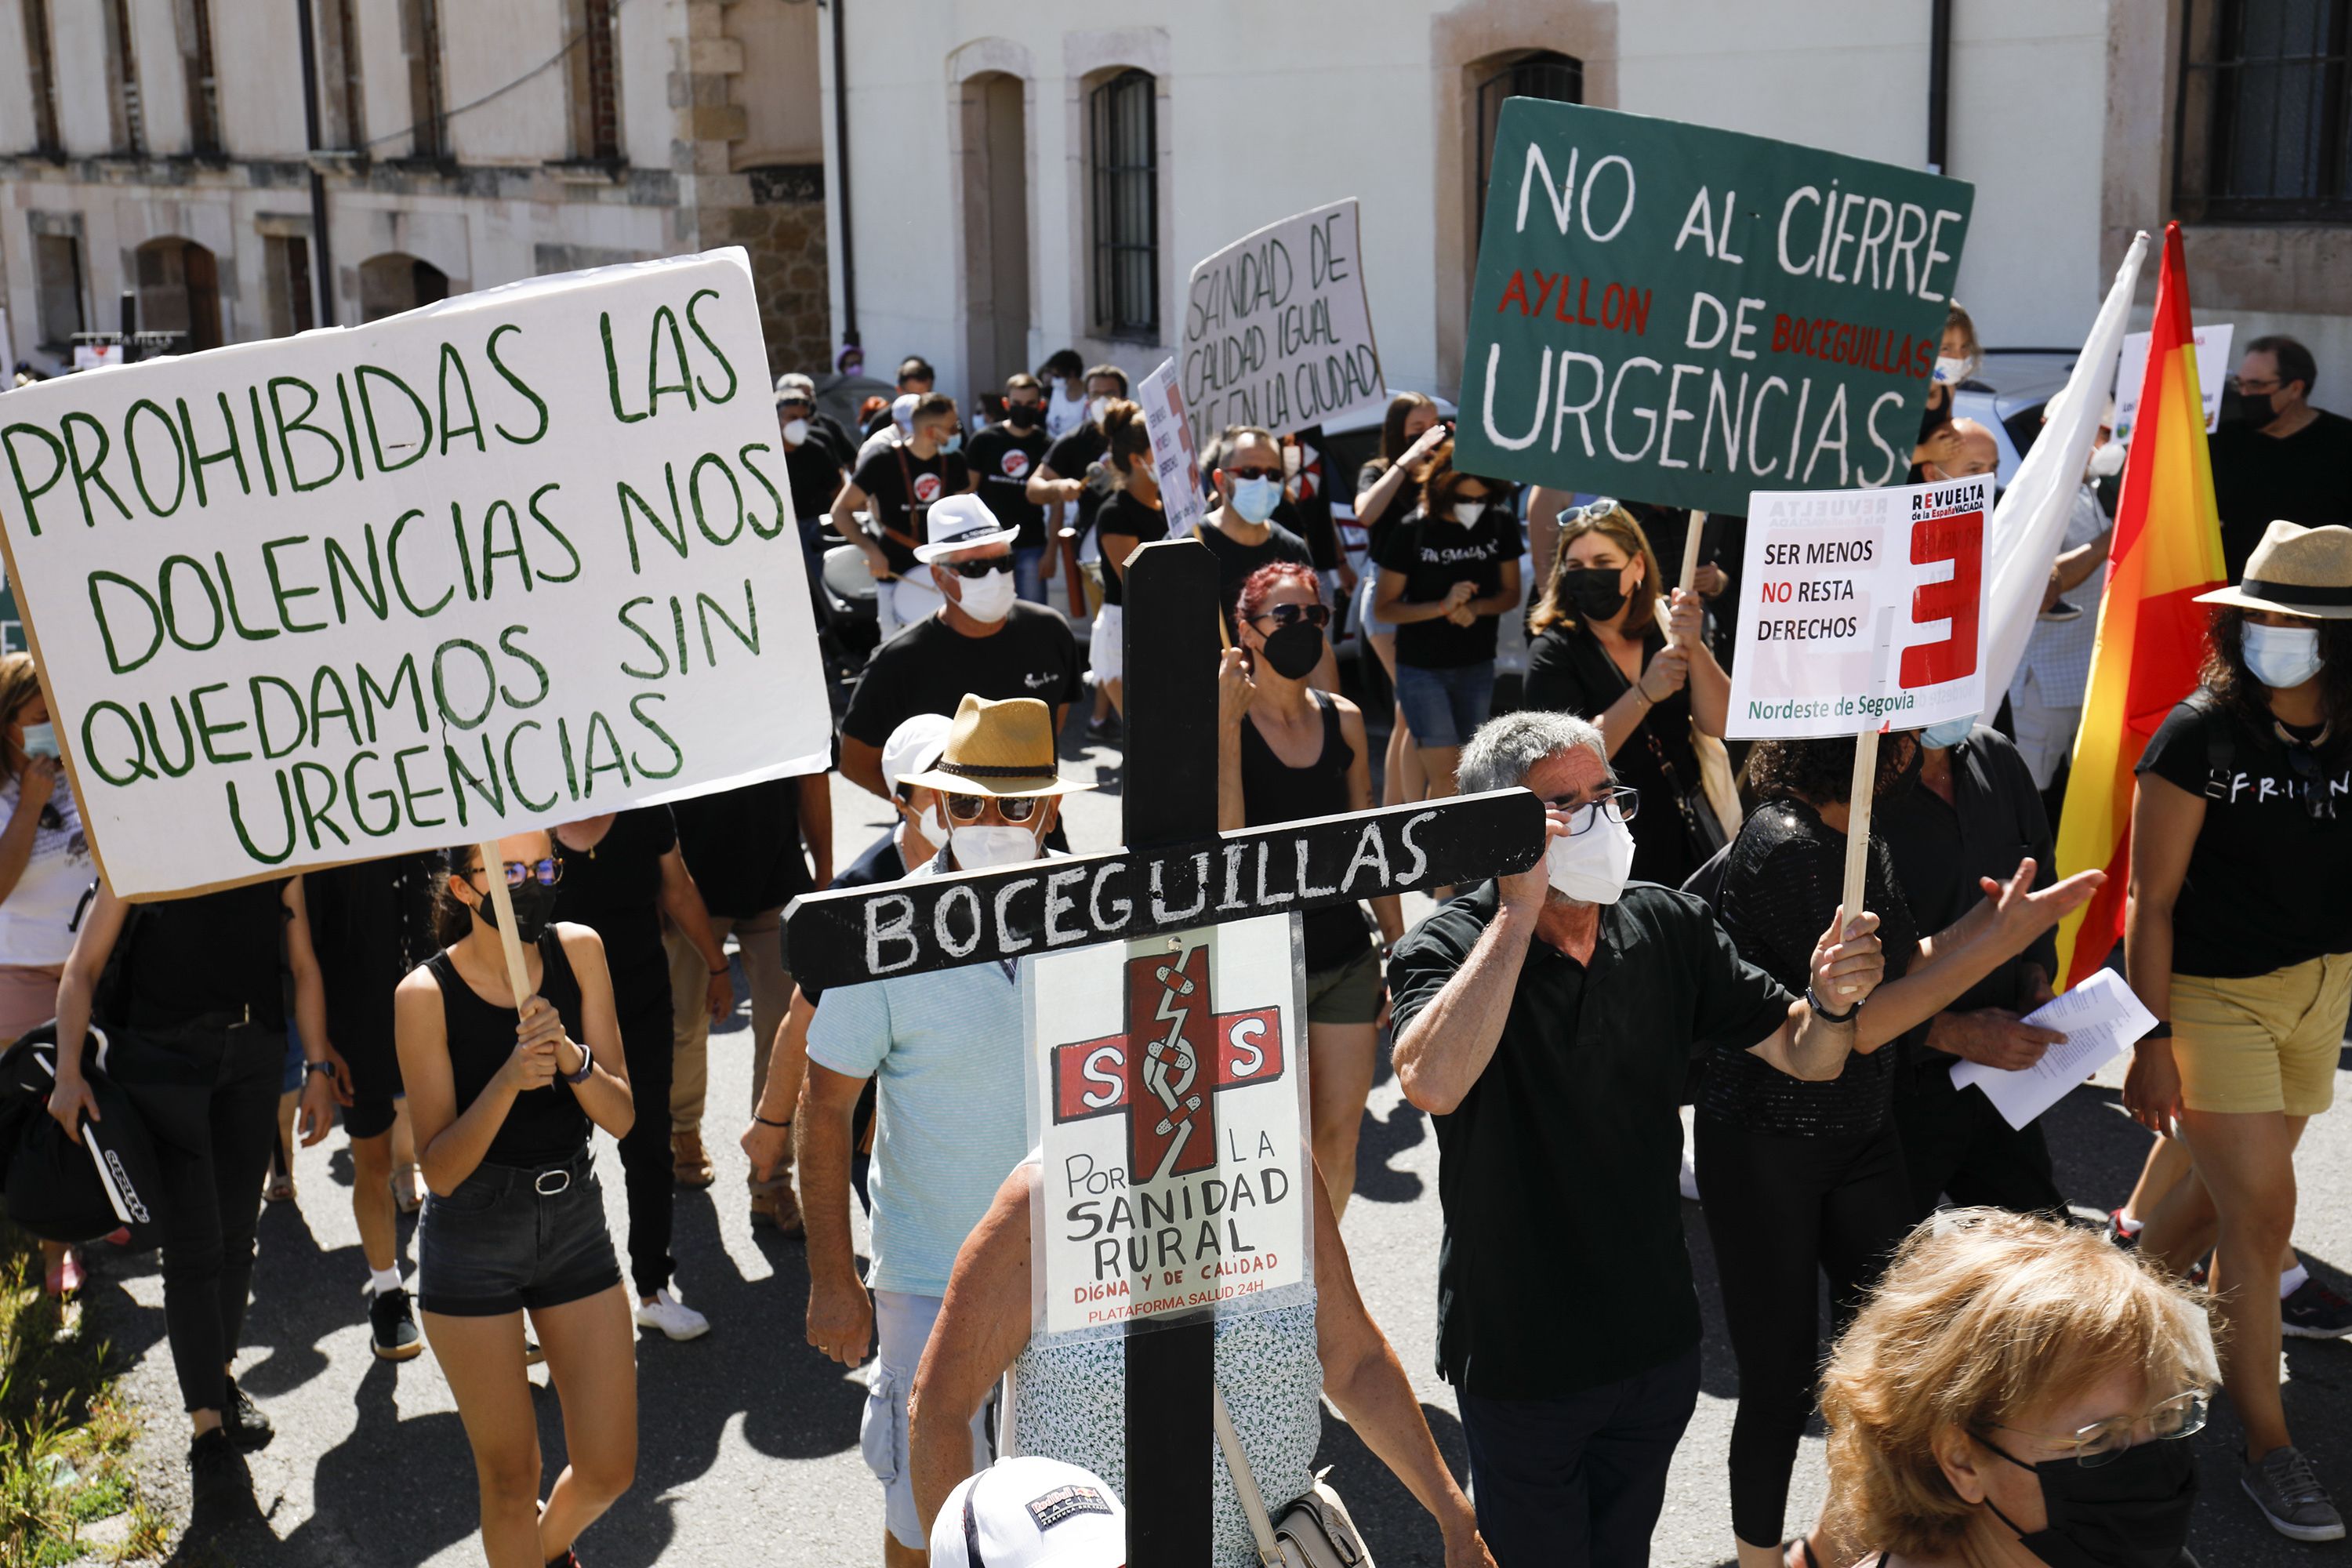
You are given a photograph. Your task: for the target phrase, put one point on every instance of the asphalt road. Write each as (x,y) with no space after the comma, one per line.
(748,1438)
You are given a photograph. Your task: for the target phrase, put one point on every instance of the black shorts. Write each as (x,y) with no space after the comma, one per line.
(510,1238)
(375,1083)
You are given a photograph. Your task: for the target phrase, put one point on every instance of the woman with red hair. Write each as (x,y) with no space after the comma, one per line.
(1286,752)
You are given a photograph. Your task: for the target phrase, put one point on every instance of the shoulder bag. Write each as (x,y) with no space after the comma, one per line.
(1314,1531)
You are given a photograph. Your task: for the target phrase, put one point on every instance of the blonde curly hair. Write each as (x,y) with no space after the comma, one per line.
(1982,1316)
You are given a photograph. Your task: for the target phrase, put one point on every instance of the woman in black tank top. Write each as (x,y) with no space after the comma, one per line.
(1287,752)
(502,1098)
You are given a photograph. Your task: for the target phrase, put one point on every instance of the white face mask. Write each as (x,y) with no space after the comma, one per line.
(1951,372)
(40,740)
(2282,656)
(1469,512)
(1097,406)
(988,599)
(795,431)
(1591,867)
(2107,461)
(981,848)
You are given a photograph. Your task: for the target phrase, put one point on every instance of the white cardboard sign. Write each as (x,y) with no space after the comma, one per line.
(523,556)
(1168,1100)
(2213,369)
(1277,332)
(1864,610)
(1175,461)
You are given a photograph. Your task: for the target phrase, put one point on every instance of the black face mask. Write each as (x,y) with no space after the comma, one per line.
(1594,594)
(1295,650)
(2257,408)
(534,911)
(1021,415)
(2130,1512)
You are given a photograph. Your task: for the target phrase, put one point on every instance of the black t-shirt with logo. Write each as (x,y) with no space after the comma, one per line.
(1434,553)
(1123,523)
(812,471)
(1003,459)
(2305,477)
(886,478)
(2266,879)
(930,667)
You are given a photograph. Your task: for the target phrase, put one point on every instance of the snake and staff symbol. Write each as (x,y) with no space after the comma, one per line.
(1172,1129)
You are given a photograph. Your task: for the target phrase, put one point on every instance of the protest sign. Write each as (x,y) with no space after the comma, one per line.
(1677,314)
(2212,371)
(1152,1201)
(1863,610)
(1175,460)
(1276,329)
(523,556)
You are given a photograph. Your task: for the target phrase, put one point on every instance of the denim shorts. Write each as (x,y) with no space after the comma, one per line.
(1443,706)
(509,1238)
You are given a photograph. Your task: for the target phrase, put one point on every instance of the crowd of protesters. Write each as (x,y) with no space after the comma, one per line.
(2006,1384)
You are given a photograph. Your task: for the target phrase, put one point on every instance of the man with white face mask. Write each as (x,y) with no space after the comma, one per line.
(981,640)
(1547,1021)
(945,1050)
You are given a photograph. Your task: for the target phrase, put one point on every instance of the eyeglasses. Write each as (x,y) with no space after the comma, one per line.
(1622,804)
(546,873)
(1012,807)
(979,568)
(2101,1442)
(1316,615)
(1255,473)
(2258,388)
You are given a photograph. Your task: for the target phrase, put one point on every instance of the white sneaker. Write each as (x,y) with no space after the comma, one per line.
(673,1318)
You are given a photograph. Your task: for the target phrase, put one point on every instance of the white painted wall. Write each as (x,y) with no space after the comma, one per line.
(383,79)
(648,57)
(85,92)
(16,119)
(485,44)
(163,75)
(1271,109)
(259,61)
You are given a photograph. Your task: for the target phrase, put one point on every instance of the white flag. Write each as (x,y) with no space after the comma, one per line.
(2029,520)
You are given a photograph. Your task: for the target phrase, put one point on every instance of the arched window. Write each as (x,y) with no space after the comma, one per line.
(178,291)
(1528,73)
(1123,155)
(396,281)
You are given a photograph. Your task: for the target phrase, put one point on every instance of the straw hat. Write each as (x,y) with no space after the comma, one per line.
(2296,572)
(998,748)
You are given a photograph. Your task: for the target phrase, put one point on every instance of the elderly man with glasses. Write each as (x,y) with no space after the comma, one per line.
(945,1052)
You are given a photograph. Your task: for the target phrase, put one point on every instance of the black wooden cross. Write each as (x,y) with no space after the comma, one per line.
(1177,873)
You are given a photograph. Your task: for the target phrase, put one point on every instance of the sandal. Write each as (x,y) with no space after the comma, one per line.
(281,1187)
(407,1188)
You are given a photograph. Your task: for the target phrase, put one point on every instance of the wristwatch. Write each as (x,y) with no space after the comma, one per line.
(322,1064)
(587,1066)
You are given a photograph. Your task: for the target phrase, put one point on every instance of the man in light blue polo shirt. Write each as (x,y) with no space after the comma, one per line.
(945,1052)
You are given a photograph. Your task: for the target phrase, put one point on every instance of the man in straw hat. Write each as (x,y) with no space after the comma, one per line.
(2238,938)
(945,1049)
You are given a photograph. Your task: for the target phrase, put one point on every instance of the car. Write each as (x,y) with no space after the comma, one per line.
(2007,396)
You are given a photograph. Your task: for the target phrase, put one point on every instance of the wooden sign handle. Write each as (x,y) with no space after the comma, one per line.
(1857,826)
(1689,575)
(494,869)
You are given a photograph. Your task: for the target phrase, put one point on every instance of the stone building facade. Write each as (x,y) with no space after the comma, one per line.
(165,148)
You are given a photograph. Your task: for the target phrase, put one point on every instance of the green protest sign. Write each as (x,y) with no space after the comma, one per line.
(524,557)
(1681,315)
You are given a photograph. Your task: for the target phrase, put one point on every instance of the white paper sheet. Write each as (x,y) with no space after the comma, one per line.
(2100,1018)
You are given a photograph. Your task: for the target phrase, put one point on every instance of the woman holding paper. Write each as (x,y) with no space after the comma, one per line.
(1601,654)
(502,1092)
(2238,937)
(1388,490)
(1805,1180)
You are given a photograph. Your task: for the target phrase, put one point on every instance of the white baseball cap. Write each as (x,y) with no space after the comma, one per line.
(959,522)
(914,747)
(902,412)
(1031,1512)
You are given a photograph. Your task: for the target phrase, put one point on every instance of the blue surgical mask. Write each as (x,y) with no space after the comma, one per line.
(1943,737)
(1256,499)
(40,740)
(951,443)
(2282,656)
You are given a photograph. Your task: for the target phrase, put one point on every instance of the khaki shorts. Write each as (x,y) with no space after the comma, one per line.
(2266,1042)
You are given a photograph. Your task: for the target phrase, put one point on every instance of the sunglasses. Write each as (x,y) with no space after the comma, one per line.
(546,873)
(1601,508)
(801,403)
(1316,615)
(981,568)
(1255,473)
(972,807)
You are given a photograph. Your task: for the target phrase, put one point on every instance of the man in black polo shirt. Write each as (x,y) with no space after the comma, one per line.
(900,482)
(1547,1022)
(1974,814)
(1003,457)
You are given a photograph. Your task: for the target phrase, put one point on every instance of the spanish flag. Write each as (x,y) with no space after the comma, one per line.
(2166,551)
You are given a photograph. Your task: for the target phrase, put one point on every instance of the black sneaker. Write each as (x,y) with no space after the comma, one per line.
(215,1468)
(2314,1313)
(1108,730)
(242,1419)
(391,1326)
